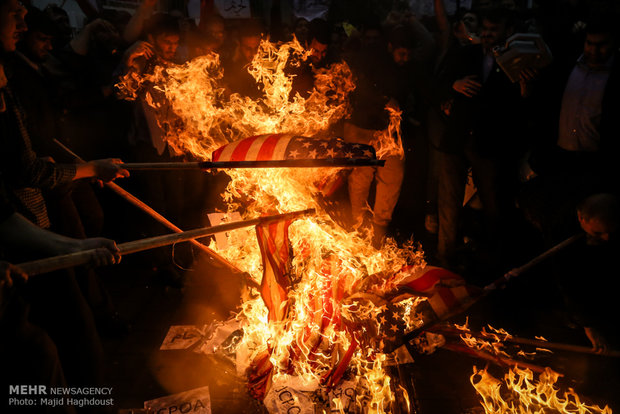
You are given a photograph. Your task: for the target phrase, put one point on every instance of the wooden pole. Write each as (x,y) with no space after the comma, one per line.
(499,360)
(300,163)
(494,285)
(449,330)
(219,260)
(534,262)
(80,258)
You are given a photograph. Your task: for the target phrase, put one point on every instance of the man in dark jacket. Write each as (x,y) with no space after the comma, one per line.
(577,147)
(482,132)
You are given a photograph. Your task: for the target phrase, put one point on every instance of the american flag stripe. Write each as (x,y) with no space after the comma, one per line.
(268,147)
(217,154)
(446,300)
(240,151)
(279,147)
(256,148)
(425,279)
(333,376)
(442,301)
(273,243)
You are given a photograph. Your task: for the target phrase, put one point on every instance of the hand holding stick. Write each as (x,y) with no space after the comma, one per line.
(80,258)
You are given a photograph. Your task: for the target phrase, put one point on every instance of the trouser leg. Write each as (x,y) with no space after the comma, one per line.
(452,174)
(360,178)
(389,181)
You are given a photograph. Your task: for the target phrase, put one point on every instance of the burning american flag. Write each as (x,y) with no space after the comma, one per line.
(289,146)
(310,325)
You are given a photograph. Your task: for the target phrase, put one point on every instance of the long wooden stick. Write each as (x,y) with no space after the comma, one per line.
(161,219)
(449,330)
(499,360)
(80,258)
(299,163)
(495,285)
(535,261)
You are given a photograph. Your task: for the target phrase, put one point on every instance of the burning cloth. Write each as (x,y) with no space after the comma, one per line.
(288,147)
(412,294)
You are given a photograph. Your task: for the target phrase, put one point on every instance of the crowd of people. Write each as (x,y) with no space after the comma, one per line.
(536,149)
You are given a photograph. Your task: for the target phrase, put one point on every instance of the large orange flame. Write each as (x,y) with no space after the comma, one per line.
(521,393)
(198,116)
(203,118)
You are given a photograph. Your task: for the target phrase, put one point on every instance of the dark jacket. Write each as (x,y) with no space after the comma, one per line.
(24,173)
(490,121)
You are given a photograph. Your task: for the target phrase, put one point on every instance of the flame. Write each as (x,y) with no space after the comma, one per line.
(389,142)
(494,344)
(524,394)
(198,116)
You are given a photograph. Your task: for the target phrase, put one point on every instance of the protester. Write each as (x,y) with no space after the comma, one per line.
(576,151)
(31,357)
(174,194)
(454,34)
(236,75)
(73,208)
(21,168)
(319,38)
(584,272)
(483,130)
(56,302)
(214,30)
(377,73)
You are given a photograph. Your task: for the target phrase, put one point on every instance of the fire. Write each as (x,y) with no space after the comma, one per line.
(329,264)
(330,320)
(524,394)
(494,344)
(199,115)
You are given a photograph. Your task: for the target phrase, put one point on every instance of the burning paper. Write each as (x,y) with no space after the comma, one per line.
(289,394)
(218,335)
(195,401)
(182,337)
(215,219)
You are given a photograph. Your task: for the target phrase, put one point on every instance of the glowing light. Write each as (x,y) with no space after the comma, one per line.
(520,393)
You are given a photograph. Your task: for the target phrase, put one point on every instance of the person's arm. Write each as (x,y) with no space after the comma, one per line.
(135,26)
(104,170)
(425,43)
(87,8)
(598,341)
(526,80)
(20,233)
(42,173)
(443,24)
(22,168)
(80,44)
(9,276)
